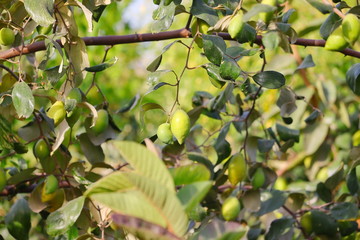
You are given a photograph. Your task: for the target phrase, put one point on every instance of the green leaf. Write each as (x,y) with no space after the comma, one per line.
(18,220)
(306,63)
(256,9)
(329,25)
(93,153)
(214,74)
(201,10)
(229,69)
(63,219)
(140,196)
(285,18)
(334,180)
(146,163)
(5,134)
(345,211)
(191,195)
(271,40)
(251,200)
(130,105)
(54,74)
(197,157)
(312,117)
(279,228)
(270,79)
(323,224)
(323,8)
(163,17)
(79,58)
(189,174)
(223,150)
(314,136)
(41,11)
(265,145)
(286,134)
(323,192)
(271,200)
(102,66)
(22,176)
(352,182)
(154,65)
(286,102)
(214,48)
(353,78)
(247,34)
(23,99)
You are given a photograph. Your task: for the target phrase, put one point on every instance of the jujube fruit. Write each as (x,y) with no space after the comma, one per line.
(230,208)
(351,27)
(57,112)
(306,222)
(236,25)
(164,133)
(258,178)
(335,43)
(41,149)
(7,36)
(51,184)
(201,26)
(102,122)
(94,96)
(237,169)
(180,125)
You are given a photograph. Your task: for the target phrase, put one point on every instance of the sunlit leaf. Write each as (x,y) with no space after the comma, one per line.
(191,195)
(41,11)
(140,196)
(189,174)
(214,48)
(23,99)
(145,163)
(61,220)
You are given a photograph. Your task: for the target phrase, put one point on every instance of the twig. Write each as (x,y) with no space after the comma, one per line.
(10,71)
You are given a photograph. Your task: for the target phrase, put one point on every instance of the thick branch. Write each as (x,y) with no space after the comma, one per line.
(147,37)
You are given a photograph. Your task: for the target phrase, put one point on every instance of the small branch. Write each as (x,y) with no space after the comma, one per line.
(10,71)
(293,215)
(148,37)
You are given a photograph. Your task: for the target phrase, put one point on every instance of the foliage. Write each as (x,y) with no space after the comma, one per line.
(259,137)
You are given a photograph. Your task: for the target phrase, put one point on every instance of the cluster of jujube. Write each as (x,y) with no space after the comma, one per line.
(178,127)
(346,34)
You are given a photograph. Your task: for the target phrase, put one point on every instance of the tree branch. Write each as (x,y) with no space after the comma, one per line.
(148,37)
